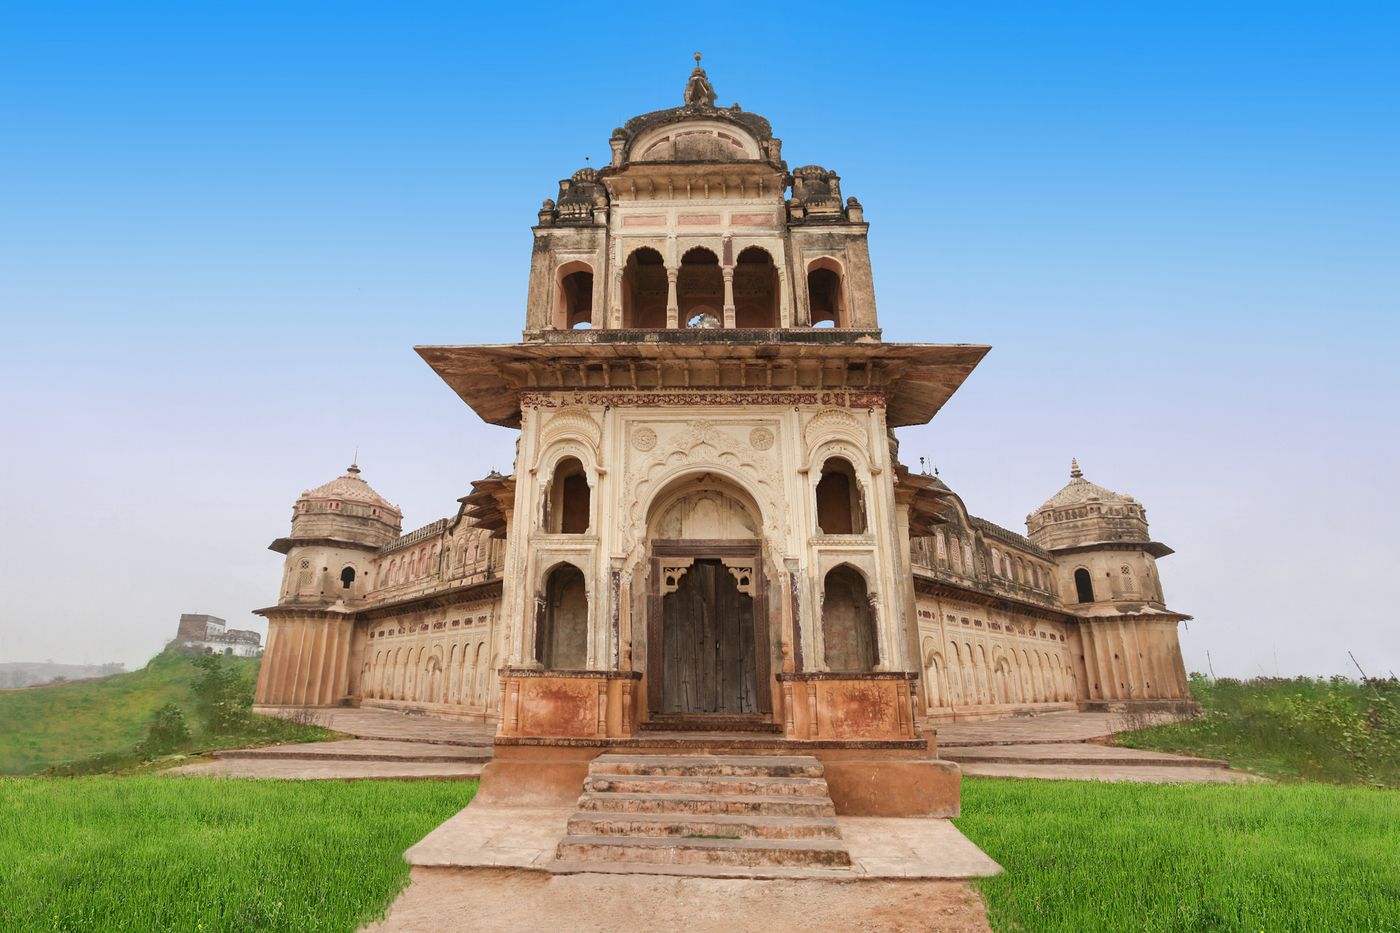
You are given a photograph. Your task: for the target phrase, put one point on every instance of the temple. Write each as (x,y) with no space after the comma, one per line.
(708,540)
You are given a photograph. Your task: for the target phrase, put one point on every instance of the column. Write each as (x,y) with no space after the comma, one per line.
(673,307)
(728,273)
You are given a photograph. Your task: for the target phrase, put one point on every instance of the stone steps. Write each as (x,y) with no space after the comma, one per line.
(772,804)
(681,850)
(706,815)
(678,784)
(690,825)
(711,766)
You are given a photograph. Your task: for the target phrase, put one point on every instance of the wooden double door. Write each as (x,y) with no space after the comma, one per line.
(707,638)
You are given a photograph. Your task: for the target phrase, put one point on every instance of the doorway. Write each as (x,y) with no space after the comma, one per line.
(707,641)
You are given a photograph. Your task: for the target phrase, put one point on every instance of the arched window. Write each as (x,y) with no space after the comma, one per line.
(1083,586)
(848,626)
(347,577)
(561,636)
(573,296)
(826,294)
(755,289)
(839,510)
(644,290)
(700,284)
(567,506)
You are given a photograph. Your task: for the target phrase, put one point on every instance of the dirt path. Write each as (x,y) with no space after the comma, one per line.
(448,901)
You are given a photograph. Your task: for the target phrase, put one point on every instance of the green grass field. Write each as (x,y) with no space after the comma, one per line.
(1335,730)
(158,853)
(54,725)
(154,853)
(1088,856)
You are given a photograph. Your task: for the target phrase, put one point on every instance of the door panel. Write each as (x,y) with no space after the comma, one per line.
(707,644)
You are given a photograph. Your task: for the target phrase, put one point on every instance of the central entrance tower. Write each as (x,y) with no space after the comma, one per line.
(708,524)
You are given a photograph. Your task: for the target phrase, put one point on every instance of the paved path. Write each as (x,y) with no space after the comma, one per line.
(482,836)
(1049,727)
(1070,746)
(449,901)
(391,725)
(348,759)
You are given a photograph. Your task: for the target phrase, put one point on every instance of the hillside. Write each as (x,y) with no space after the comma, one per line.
(59,723)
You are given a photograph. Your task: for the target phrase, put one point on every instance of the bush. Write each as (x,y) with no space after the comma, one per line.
(224,697)
(167,733)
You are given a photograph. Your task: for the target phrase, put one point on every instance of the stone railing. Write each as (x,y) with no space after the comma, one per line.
(568,704)
(840,706)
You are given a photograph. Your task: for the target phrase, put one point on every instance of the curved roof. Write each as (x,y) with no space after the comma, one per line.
(699,104)
(1079,490)
(350,488)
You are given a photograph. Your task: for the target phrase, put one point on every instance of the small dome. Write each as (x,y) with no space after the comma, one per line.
(350,488)
(1079,490)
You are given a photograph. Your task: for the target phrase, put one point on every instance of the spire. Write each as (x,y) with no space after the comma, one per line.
(698,92)
(354,469)
(1074,471)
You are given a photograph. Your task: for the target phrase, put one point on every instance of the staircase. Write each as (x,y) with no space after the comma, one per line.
(752,816)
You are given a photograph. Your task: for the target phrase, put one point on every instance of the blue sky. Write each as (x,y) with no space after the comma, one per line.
(223,227)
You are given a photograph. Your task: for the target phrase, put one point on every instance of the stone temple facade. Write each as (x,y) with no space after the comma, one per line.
(708,526)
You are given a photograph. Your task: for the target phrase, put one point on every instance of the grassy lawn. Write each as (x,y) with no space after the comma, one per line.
(1085,856)
(1335,730)
(159,853)
(43,727)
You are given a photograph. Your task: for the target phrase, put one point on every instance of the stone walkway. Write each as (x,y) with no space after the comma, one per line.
(449,901)
(1070,746)
(481,836)
(349,759)
(386,745)
(391,725)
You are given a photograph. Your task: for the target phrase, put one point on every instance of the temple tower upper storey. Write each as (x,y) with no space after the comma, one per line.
(697,222)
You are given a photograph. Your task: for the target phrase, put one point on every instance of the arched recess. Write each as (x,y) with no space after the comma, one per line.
(699,285)
(848,624)
(644,290)
(568,499)
(755,289)
(347,577)
(933,675)
(826,294)
(1083,585)
(573,296)
(840,510)
(561,628)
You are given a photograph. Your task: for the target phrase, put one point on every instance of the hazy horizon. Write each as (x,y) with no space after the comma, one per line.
(224,229)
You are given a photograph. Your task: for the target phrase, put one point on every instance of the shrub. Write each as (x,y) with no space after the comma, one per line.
(168,732)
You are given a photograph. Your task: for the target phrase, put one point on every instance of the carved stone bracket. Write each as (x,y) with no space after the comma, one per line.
(743,572)
(672,571)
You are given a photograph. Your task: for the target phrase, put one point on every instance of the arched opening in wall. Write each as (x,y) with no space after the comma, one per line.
(826,294)
(644,290)
(755,289)
(573,296)
(347,577)
(1083,586)
(567,501)
(561,636)
(839,509)
(699,285)
(848,625)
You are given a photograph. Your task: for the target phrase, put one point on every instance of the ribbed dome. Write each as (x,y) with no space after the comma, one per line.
(1079,490)
(350,488)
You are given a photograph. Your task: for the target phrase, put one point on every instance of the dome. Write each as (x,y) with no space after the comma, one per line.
(1079,490)
(1084,513)
(350,488)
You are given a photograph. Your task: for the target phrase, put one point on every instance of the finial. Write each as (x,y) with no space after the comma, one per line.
(354,469)
(697,59)
(1074,471)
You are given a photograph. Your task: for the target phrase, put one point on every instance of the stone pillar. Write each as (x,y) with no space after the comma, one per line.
(728,272)
(673,307)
